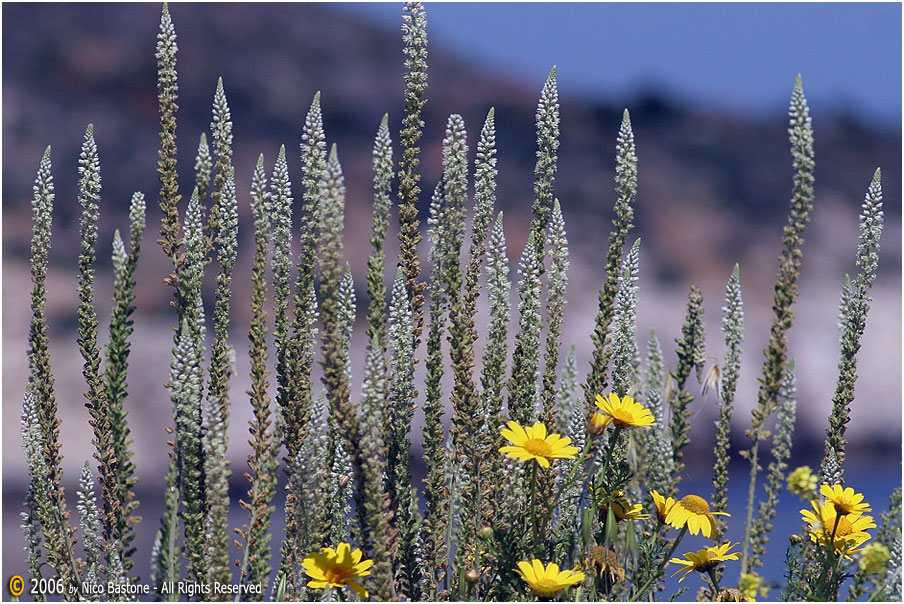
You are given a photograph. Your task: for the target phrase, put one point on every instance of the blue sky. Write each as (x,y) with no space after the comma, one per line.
(737,56)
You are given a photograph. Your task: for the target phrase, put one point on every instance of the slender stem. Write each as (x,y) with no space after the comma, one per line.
(829,560)
(533,507)
(579,462)
(715,581)
(751,493)
(611,449)
(662,564)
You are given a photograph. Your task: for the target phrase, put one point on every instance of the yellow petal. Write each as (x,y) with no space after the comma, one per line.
(544,463)
(518,430)
(342,552)
(510,436)
(527,571)
(539,571)
(361,569)
(362,593)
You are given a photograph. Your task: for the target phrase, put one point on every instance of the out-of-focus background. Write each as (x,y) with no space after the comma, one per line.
(707,86)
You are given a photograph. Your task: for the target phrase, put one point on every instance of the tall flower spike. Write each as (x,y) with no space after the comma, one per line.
(295,363)
(376,289)
(660,464)
(347,310)
(466,422)
(571,424)
(217,411)
(96,399)
(262,462)
(733,330)
(626,186)
(775,472)
(800,133)
(691,353)
(335,377)
(221,131)
(116,368)
(496,351)
(547,158)
(854,308)
(279,202)
(203,166)
(624,344)
(526,358)
(186,393)
(434,535)
(557,242)
(398,466)
(167,95)
(414,38)
(492,378)
(36,497)
(373,507)
(89,523)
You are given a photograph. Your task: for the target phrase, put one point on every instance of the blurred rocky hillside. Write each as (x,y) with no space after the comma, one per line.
(714,189)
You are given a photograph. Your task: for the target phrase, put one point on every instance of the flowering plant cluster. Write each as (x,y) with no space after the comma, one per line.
(534,487)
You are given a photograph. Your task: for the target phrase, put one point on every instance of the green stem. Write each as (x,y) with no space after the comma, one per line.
(611,449)
(830,560)
(579,463)
(533,508)
(715,581)
(665,560)
(751,493)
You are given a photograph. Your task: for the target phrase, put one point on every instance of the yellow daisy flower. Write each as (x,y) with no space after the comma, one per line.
(693,511)
(599,423)
(620,506)
(846,501)
(663,505)
(705,559)
(337,568)
(547,581)
(850,532)
(532,442)
(624,411)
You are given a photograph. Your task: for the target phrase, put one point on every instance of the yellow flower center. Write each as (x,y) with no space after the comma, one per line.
(538,447)
(705,565)
(622,417)
(546,585)
(336,575)
(695,505)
